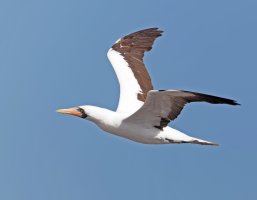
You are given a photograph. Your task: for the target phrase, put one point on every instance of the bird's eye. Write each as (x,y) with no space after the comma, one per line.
(82,111)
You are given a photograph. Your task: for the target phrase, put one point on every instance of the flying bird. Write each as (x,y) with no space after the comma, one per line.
(143,114)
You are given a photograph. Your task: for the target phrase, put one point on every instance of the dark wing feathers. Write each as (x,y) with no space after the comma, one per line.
(196,97)
(132,47)
(163,106)
(188,97)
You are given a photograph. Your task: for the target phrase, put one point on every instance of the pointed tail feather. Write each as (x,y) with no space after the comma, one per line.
(202,142)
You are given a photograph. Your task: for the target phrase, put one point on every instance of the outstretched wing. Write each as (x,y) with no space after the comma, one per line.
(163,106)
(126,57)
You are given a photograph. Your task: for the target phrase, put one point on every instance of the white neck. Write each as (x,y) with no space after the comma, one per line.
(102,117)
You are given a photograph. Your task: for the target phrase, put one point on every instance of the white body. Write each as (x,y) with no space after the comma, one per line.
(113,122)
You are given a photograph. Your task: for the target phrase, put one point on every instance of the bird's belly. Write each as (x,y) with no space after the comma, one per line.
(135,133)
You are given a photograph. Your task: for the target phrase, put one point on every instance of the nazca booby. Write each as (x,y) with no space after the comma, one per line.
(143,114)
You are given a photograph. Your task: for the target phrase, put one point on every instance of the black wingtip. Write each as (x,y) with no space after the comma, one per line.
(155,29)
(232,102)
(236,104)
(229,102)
(213,99)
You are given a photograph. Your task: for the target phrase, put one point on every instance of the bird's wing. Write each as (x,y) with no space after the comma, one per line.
(162,106)
(126,57)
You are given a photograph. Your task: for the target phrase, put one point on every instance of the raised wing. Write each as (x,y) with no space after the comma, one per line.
(126,57)
(163,106)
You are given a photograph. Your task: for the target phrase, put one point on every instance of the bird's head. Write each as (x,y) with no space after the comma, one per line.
(91,113)
(76,111)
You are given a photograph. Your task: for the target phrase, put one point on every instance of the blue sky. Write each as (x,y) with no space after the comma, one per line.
(53,55)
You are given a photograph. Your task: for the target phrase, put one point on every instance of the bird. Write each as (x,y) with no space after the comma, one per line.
(143,113)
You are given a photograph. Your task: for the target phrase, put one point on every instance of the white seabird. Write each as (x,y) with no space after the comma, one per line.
(143,114)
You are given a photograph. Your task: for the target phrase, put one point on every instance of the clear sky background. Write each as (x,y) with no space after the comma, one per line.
(53,55)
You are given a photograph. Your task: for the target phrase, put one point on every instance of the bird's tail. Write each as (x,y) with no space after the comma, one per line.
(202,142)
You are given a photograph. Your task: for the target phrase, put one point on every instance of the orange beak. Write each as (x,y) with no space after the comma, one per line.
(71,111)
